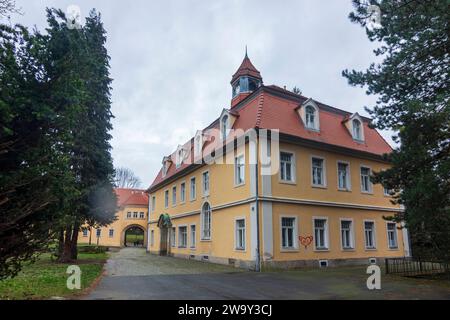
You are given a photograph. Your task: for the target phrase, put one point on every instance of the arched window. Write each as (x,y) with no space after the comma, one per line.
(224,127)
(357,131)
(206,221)
(310,115)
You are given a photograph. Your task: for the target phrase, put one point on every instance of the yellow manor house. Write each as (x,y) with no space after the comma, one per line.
(315,207)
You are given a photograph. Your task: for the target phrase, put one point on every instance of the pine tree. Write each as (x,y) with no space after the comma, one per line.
(413,86)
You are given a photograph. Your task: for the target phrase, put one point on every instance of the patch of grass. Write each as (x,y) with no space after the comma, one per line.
(46,278)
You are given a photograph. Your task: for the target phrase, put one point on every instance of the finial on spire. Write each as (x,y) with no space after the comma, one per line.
(246,51)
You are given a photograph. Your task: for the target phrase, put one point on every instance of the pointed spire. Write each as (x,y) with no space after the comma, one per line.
(246,69)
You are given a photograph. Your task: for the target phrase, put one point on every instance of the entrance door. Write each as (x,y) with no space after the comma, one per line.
(163,242)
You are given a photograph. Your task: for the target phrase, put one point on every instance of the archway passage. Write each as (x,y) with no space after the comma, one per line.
(134,237)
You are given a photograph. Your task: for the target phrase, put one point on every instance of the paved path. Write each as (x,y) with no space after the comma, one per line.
(133,274)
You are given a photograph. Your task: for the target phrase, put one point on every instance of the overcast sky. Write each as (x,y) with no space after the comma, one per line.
(172,62)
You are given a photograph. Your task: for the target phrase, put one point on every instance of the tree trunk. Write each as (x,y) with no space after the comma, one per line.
(60,243)
(74,241)
(67,247)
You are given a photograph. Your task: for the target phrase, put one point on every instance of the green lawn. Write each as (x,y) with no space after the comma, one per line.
(46,278)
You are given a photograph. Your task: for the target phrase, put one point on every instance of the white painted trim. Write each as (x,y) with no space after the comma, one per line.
(190,236)
(326,233)
(324,171)
(166,204)
(235,234)
(349,175)
(370,182)
(181,200)
(191,198)
(396,235)
(374,234)
(241,154)
(295,248)
(187,236)
(205,194)
(202,220)
(352,234)
(293,167)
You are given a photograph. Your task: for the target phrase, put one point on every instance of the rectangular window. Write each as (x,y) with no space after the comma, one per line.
(153,203)
(111,233)
(193,189)
(366,185)
(128,215)
(152,238)
(99,233)
(183,192)
(205,183)
(320,234)
(182,237)
(387,192)
(166,198)
(239,170)
(85,232)
(343,176)
(174,195)
(347,234)
(240,234)
(173,237)
(286,166)
(318,178)
(392,235)
(135,215)
(369,234)
(193,236)
(141,215)
(288,233)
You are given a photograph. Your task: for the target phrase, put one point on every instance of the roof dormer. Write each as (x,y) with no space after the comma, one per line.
(309,113)
(355,126)
(180,155)
(166,162)
(226,121)
(198,143)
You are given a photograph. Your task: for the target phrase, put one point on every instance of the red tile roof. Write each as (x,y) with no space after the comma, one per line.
(128,197)
(271,107)
(246,69)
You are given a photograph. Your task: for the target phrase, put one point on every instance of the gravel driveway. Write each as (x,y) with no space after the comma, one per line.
(134,274)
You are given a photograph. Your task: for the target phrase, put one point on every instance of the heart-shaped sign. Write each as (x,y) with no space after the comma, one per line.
(305,241)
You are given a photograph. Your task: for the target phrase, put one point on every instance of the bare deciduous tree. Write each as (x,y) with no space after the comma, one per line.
(125,178)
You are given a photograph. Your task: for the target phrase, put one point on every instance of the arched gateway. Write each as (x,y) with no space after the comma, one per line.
(134,236)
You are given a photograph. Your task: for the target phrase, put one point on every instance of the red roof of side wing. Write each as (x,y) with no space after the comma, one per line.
(128,197)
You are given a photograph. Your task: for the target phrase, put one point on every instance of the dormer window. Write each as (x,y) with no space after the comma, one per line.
(357,130)
(224,129)
(198,145)
(166,164)
(310,114)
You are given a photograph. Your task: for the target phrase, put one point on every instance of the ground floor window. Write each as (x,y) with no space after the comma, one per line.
(99,232)
(85,232)
(321,234)
(369,234)
(240,234)
(206,221)
(152,238)
(347,234)
(193,235)
(173,237)
(182,237)
(288,232)
(392,235)
(111,233)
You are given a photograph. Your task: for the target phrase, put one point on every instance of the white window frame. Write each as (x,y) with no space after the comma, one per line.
(316,124)
(324,172)
(192,237)
(349,178)
(206,192)
(236,235)
(293,168)
(361,129)
(109,233)
(152,238)
(179,236)
(202,224)
(374,232)
(174,196)
(193,195)
(360,179)
(135,214)
(236,169)
(129,215)
(325,233)
(224,130)
(173,237)
(395,235)
(295,246)
(352,234)
(183,192)
(153,203)
(166,198)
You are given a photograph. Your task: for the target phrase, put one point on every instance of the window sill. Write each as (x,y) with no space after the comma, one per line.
(181,247)
(240,250)
(370,249)
(288,250)
(393,249)
(369,193)
(319,186)
(348,249)
(239,185)
(322,250)
(344,190)
(205,240)
(287,182)
(192,248)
